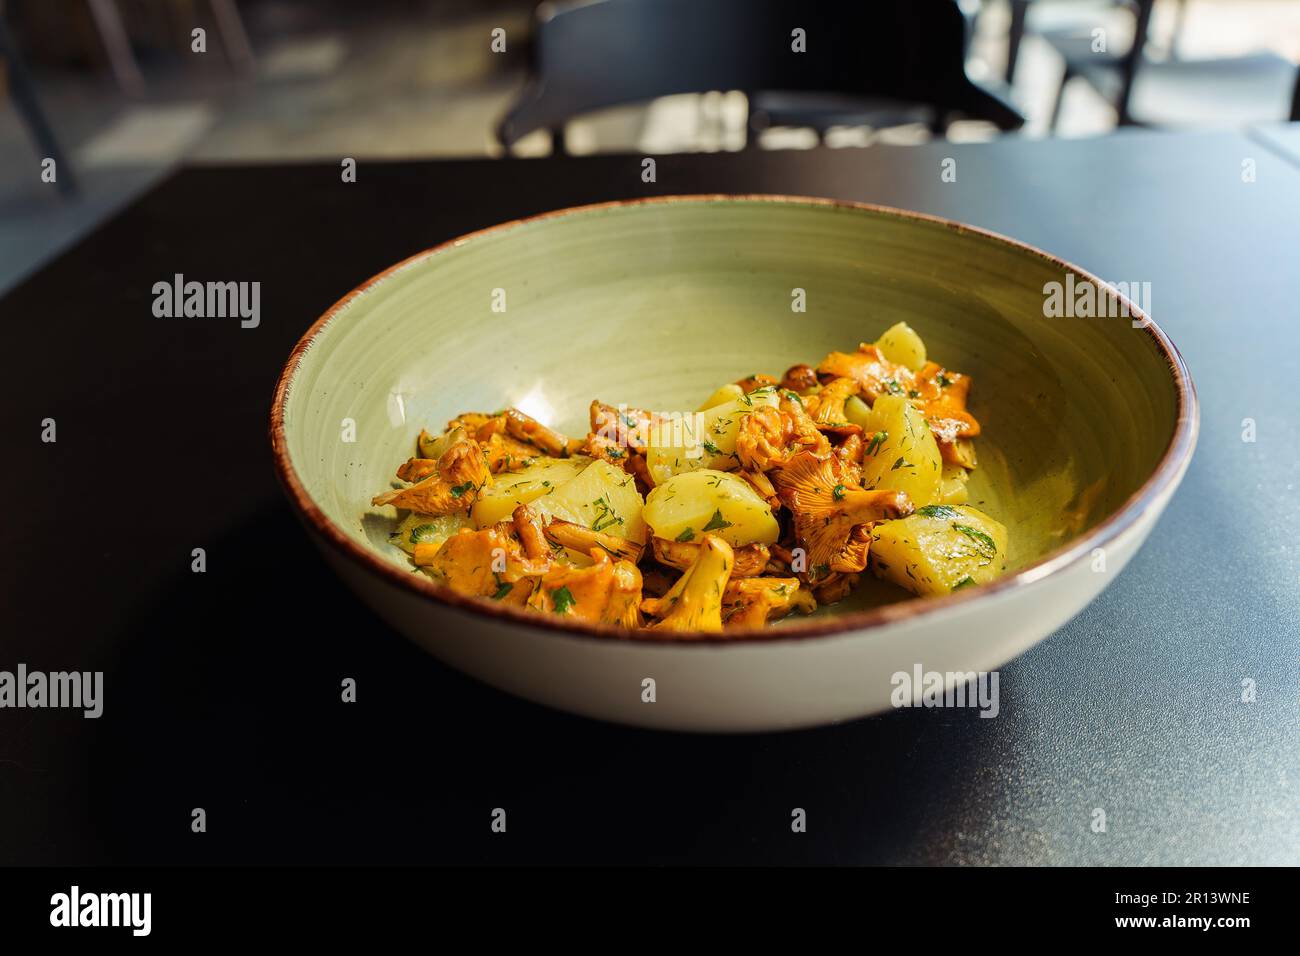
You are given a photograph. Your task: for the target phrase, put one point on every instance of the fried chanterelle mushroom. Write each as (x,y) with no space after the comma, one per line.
(752,602)
(694,603)
(774,496)
(604,592)
(442,487)
(832,514)
(502,562)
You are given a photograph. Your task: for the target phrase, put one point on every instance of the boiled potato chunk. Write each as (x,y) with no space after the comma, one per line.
(511,489)
(688,441)
(858,413)
(952,486)
(688,506)
(417,528)
(728,393)
(901,454)
(603,498)
(901,345)
(939,549)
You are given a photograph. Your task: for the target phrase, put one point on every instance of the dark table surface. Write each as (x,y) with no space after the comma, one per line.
(222,689)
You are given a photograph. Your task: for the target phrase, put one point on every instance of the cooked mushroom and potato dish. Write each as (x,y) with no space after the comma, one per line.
(774,497)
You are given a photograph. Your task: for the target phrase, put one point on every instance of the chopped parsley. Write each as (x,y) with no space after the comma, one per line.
(838,492)
(979,537)
(893,387)
(938,511)
(686,535)
(423,533)
(878,439)
(943,381)
(505,588)
(460,490)
(605,516)
(965,582)
(562,598)
(717,522)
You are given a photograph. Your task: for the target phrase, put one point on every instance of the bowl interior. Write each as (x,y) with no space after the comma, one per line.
(657,304)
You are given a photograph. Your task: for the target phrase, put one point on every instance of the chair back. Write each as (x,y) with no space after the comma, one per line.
(592,55)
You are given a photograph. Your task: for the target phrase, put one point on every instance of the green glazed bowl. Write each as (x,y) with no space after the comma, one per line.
(1088,427)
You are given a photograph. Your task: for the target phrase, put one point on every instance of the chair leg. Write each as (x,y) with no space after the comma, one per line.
(1133,60)
(558,145)
(108,20)
(1019,10)
(1066,77)
(29,107)
(233,35)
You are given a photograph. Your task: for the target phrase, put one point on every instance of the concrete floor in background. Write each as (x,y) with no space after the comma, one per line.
(429,86)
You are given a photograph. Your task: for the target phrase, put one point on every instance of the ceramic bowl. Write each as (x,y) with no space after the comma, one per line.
(1089,425)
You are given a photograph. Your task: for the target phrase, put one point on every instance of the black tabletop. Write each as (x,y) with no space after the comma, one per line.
(222,688)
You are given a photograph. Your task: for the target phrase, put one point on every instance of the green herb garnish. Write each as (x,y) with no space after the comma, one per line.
(979,537)
(938,511)
(717,523)
(687,535)
(965,582)
(838,492)
(462,489)
(878,439)
(562,598)
(505,588)
(605,515)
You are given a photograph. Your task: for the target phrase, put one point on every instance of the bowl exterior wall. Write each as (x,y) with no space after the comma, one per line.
(768,685)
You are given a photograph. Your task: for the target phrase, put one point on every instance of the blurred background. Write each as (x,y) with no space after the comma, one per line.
(119,91)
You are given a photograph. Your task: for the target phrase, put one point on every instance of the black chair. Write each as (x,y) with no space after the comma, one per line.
(590,56)
(29,108)
(1257,87)
(1110,73)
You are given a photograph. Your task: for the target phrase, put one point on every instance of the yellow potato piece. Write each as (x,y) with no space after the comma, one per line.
(416,528)
(728,393)
(952,485)
(858,413)
(901,345)
(510,489)
(690,441)
(901,453)
(939,549)
(603,498)
(690,505)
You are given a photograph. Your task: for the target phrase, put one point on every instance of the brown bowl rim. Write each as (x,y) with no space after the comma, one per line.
(1167,472)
